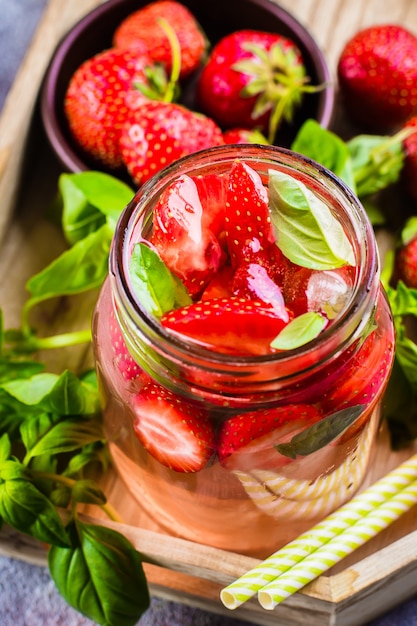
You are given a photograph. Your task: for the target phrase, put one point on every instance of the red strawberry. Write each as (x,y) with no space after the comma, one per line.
(377,73)
(212,191)
(362,377)
(247,441)
(159,133)
(123,360)
(143,27)
(249,76)
(183,237)
(407,263)
(410,163)
(220,285)
(230,325)
(251,280)
(98,96)
(248,224)
(244,135)
(178,435)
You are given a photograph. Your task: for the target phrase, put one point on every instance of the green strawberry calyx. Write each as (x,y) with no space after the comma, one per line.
(160,86)
(278,79)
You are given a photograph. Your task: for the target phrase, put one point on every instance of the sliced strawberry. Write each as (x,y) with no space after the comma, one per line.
(248,224)
(220,285)
(230,325)
(251,280)
(212,191)
(122,358)
(363,377)
(178,435)
(247,441)
(185,244)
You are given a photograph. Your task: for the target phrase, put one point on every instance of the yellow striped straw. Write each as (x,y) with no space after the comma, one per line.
(338,548)
(374,502)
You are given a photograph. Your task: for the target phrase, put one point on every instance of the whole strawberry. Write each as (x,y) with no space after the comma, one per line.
(143,27)
(410,161)
(244,135)
(377,72)
(159,133)
(407,263)
(253,79)
(97,98)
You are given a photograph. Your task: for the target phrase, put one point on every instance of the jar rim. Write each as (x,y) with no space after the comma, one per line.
(347,323)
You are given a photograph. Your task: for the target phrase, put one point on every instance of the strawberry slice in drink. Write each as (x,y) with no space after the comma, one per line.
(177,434)
(184,237)
(229,325)
(247,441)
(122,358)
(249,230)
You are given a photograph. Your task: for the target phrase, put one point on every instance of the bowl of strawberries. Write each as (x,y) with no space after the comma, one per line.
(136,85)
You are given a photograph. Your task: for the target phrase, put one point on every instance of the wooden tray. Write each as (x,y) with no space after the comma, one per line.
(366,584)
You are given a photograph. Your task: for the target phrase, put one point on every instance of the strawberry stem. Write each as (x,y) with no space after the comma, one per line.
(176,59)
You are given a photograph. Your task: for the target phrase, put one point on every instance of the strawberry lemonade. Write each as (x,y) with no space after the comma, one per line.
(243,343)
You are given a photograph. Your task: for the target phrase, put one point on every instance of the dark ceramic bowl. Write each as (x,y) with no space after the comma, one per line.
(217,18)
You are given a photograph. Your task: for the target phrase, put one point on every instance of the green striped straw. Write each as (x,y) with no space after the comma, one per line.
(338,548)
(282,561)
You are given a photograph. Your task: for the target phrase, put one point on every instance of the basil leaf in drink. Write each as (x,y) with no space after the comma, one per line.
(321,433)
(101,576)
(307,232)
(299,331)
(155,287)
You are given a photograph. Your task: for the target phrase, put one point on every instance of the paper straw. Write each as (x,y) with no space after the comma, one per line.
(280,496)
(246,586)
(338,548)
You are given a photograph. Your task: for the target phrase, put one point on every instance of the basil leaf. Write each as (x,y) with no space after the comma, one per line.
(325,147)
(12,470)
(377,162)
(29,511)
(65,394)
(82,267)
(88,492)
(64,436)
(91,453)
(154,285)
(299,331)
(71,396)
(307,232)
(101,575)
(5,447)
(321,433)
(32,390)
(89,198)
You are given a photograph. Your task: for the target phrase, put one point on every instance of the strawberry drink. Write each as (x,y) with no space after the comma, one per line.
(243,343)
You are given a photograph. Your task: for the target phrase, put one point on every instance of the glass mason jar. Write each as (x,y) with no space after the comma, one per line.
(258,500)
